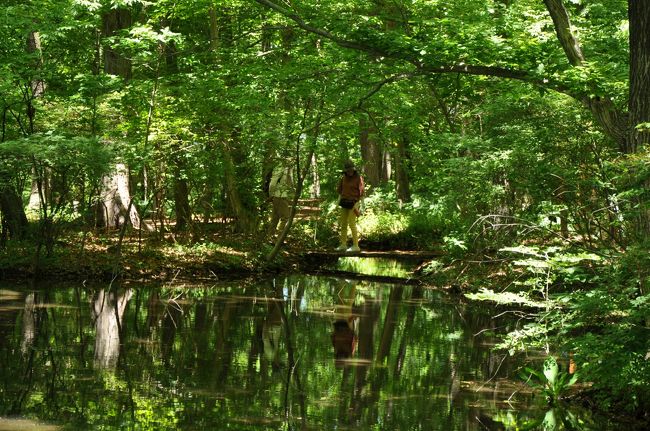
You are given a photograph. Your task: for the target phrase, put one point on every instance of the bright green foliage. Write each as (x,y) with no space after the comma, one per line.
(597,312)
(476,100)
(551,381)
(62,165)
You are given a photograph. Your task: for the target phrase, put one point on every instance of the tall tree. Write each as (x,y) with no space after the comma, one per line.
(639,100)
(371,152)
(114,19)
(115,206)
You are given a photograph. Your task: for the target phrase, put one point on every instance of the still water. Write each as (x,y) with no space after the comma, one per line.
(297,352)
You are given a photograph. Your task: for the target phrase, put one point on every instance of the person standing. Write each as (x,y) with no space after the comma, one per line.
(350,189)
(281,189)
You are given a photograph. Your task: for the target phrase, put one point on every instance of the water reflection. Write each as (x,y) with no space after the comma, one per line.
(29,324)
(346,323)
(375,266)
(292,353)
(108,310)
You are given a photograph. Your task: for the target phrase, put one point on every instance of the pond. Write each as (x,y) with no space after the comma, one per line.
(294,352)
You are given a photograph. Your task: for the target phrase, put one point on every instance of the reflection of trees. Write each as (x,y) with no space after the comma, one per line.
(108,310)
(171,324)
(224,341)
(413,350)
(353,397)
(12,405)
(293,372)
(369,313)
(390,321)
(29,323)
(416,297)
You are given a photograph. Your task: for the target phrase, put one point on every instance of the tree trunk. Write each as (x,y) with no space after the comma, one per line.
(214,28)
(34,204)
(244,219)
(622,127)
(114,62)
(208,194)
(613,122)
(37,86)
(315,178)
(114,206)
(14,219)
(402,183)
(386,167)
(639,100)
(370,153)
(181,201)
(562,25)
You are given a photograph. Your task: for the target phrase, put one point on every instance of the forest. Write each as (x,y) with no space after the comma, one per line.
(510,137)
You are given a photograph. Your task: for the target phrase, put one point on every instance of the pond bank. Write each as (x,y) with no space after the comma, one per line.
(140,259)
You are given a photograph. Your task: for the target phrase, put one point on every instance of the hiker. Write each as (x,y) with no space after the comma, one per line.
(350,189)
(281,189)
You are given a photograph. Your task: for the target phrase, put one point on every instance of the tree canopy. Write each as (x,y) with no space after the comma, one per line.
(479,126)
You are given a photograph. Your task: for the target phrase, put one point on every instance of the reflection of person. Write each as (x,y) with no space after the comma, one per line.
(344,337)
(350,189)
(344,340)
(271,332)
(280,192)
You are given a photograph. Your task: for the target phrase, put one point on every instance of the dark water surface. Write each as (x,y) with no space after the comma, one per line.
(300,352)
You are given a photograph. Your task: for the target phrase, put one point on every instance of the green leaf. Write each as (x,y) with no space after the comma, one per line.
(551,369)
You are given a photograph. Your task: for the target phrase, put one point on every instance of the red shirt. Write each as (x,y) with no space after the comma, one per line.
(351,187)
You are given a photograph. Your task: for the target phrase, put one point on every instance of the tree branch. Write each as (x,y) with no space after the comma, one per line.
(562,24)
(324,33)
(424,67)
(612,120)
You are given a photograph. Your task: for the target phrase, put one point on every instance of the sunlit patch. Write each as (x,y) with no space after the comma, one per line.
(208,393)
(177,301)
(354,362)
(258,420)
(9,295)
(50,305)
(25,424)
(374,266)
(498,386)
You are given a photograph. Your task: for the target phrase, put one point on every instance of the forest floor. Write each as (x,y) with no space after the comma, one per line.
(147,257)
(208,256)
